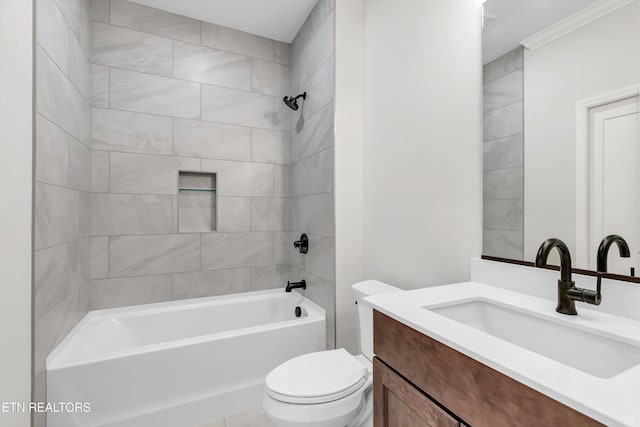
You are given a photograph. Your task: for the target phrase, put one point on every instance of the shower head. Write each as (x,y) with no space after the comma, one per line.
(293,102)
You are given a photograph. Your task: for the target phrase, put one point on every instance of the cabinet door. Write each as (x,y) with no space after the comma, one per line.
(398,404)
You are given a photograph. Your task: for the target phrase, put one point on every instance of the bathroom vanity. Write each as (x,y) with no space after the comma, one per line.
(494,352)
(420,382)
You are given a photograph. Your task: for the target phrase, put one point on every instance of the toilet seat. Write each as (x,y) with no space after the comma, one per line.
(317,378)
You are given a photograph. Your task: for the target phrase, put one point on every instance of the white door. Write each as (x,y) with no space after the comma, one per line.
(614,187)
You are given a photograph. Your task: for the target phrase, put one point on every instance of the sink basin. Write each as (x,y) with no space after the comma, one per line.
(591,353)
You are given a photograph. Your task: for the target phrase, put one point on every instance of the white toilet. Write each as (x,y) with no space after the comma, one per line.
(329,388)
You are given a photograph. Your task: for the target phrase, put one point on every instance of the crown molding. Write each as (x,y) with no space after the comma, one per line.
(573,22)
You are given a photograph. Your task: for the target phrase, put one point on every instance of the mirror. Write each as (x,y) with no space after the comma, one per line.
(561,129)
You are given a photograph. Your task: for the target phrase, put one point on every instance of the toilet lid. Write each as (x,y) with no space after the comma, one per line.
(319,377)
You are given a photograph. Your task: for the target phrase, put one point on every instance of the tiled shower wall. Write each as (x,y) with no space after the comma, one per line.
(311,170)
(62,174)
(172,93)
(503,142)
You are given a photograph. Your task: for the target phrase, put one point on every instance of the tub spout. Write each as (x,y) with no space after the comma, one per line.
(296,285)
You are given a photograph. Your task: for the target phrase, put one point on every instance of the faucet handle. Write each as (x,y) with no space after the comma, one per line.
(587,295)
(303,244)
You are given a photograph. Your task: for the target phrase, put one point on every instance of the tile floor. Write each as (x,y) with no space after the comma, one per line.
(252,418)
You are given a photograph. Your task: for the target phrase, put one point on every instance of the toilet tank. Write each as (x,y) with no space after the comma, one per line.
(365,311)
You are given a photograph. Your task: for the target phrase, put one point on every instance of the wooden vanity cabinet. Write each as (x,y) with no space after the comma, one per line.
(399,403)
(420,382)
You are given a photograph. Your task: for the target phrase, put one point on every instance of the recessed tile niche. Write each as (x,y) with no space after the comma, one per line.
(196,202)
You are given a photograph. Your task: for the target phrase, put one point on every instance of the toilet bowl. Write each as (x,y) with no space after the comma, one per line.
(330,388)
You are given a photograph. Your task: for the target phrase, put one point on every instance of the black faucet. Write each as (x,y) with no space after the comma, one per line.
(568,293)
(295,285)
(603,250)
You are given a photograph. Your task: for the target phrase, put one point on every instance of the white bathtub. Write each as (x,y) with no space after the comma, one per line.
(180,363)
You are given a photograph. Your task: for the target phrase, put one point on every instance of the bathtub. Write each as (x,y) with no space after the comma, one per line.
(180,363)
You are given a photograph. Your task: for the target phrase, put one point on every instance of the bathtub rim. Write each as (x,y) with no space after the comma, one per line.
(55,361)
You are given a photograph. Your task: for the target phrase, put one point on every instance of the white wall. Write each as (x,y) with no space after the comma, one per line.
(349,165)
(16,46)
(597,58)
(423,166)
(408,137)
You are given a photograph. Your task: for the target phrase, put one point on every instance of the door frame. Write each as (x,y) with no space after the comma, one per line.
(582,165)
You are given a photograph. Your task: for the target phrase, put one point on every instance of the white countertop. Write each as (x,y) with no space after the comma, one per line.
(612,401)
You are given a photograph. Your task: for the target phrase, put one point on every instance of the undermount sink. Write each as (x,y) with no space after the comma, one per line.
(591,353)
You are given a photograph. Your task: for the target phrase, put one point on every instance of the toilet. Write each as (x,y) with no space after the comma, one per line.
(331,388)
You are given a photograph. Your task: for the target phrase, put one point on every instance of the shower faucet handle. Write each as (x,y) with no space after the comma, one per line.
(303,244)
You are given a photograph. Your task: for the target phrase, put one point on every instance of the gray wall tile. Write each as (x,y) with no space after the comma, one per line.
(109,293)
(313,174)
(503,91)
(322,293)
(237,41)
(320,88)
(63,159)
(321,260)
(114,130)
(241,178)
(52,33)
(60,159)
(236,107)
(159,254)
(99,10)
(212,66)
(59,101)
(146,93)
(503,243)
(282,53)
(281,180)
(270,146)
(99,257)
(99,86)
(52,326)
(59,215)
(59,272)
(313,214)
(503,122)
(196,212)
(273,276)
(270,78)
(79,68)
(503,214)
(503,153)
(269,214)
(231,250)
(99,171)
(315,136)
(147,174)
(234,214)
(77,17)
(130,49)
(504,65)
(285,252)
(281,115)
(122,214)
(313,55)
(310,180)
(195,138)
(313,23)
(154,119)
(210,283)
(132,15)
(504,184)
